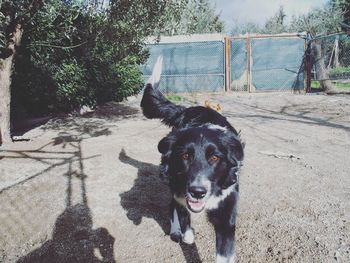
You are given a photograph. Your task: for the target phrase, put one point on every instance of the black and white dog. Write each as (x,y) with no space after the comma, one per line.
(201,158)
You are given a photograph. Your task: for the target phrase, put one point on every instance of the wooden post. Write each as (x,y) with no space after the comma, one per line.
(308,67)
(227,43)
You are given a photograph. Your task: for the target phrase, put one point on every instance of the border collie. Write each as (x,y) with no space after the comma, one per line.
(201,158)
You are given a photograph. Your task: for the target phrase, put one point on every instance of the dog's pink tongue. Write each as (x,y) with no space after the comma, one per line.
(196,205)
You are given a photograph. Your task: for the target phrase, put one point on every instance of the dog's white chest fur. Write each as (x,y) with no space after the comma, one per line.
(214,201)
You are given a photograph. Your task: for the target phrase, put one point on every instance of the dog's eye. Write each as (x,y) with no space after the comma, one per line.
(214,158)
(185,156)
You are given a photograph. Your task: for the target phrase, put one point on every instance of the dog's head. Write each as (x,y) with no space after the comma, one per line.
(201,162)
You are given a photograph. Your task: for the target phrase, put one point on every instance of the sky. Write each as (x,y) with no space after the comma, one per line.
(258,11)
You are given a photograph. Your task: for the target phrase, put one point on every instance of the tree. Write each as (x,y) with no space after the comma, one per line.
(318,22)
(273,25)
(244,28)
(344,5)
(276,24)
(190,17)
(13,17)
(58,55)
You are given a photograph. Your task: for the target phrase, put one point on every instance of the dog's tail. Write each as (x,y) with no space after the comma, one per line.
(156,72)
(154,105)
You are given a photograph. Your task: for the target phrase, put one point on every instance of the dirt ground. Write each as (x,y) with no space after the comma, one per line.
(86,189)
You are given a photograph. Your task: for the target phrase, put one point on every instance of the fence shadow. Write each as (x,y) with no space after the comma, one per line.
(150,198)
(74,240)
(73,237)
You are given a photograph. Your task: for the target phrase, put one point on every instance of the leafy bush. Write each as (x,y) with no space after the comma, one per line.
(339,70)
(73,56)
(72,89)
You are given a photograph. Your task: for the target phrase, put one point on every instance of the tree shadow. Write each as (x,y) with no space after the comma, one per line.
(150,197)
(94,123)
(78,126)
(73,237)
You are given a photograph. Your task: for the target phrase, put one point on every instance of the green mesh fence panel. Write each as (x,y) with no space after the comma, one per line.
(239,78)
(188,67)
(277,63)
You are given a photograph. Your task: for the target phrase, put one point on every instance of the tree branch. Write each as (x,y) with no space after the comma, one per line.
(55,46)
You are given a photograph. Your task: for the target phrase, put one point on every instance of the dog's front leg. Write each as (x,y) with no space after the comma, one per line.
(180,224)
(225,243)
(224,222)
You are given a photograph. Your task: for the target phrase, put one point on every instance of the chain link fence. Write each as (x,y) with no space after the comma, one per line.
(188,67)
(239,65)
(253,63)
(330,62)
(267,63)
(249,63)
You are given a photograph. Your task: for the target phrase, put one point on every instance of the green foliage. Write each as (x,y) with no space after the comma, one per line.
(340,70)
(72,88)
(315,84)
(190,17)
(343,86)
(344,5)
(276,24)
(73,55)
(340,86)
(174,98)
(244,28)
(319,21)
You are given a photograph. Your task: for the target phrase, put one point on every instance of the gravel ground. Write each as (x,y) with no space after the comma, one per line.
(86,189)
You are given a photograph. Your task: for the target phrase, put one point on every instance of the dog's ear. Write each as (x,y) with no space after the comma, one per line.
(230,179)
(235,147)
(164,147)
(165,144)
(235,156)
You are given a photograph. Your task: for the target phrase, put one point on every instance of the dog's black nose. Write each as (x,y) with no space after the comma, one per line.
(197,191)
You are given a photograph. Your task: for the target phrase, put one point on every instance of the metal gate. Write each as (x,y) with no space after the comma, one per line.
(267,63)
(189,66)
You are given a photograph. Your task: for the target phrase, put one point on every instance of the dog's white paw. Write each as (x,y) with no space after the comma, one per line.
(188,237)
(224,259)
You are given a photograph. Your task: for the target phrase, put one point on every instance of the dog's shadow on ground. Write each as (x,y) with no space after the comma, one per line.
(150,197)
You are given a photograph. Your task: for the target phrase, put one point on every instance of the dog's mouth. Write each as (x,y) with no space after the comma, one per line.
(195,205)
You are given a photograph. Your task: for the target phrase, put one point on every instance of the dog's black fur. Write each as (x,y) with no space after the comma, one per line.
(201,158)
